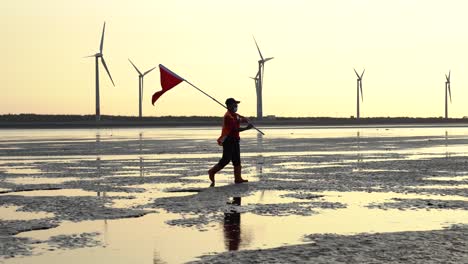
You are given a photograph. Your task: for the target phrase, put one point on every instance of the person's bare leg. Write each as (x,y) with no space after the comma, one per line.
(213,171)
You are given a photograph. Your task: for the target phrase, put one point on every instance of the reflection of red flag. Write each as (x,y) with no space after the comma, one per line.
(168,80)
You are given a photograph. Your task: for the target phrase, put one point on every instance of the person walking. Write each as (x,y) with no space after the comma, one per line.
(229,139)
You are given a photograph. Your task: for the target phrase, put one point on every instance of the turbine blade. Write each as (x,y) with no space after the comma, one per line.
(148,71)
(102,37)
(135,67)
(267,59)
(259,52)
(356,73)
(446,78)
(360,87)
(89,56)
(449,76)
(363,73)
(107,70)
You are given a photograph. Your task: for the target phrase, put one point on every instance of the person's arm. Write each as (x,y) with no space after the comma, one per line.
(249,126)
(230,125)
(243,119)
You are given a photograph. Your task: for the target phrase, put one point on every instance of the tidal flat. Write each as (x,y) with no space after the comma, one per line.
(320,195)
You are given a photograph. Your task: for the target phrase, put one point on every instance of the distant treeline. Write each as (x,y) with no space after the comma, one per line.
(58,121)
(78,118)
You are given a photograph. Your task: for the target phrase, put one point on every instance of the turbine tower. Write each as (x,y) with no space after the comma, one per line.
(98,56)
(447,90)
(140,86)
(359,88)
(259,86)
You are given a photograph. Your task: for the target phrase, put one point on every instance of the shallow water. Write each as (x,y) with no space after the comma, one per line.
(135,240)
(303,181)
(12,213)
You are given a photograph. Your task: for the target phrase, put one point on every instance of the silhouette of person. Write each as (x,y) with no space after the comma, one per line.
(229,139)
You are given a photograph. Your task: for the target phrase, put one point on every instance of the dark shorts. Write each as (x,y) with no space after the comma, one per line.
(231,152)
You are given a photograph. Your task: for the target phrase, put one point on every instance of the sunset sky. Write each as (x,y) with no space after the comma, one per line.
(405,46)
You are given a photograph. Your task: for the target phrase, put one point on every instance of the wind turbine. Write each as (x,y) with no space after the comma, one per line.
(359,88)
(98,56)
(447,89)
(140,86)
(260,74)
(256,82)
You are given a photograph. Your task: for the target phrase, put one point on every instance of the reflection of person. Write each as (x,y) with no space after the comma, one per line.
(232,230)
(229,139)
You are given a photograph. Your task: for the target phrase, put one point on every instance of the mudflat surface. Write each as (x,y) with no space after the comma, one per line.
(369,195)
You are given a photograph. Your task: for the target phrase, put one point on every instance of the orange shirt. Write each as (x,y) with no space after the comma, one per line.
(231,125)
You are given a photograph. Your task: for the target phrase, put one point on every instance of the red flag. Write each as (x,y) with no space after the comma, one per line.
(168,80)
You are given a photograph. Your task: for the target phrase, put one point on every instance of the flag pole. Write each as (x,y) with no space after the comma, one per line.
(220,103)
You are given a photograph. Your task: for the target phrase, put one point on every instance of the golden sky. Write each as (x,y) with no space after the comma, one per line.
(405,46)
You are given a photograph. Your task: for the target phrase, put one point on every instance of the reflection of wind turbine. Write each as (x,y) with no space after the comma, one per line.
(140,86)
(97,56)
(447,90)
(447,155)
(98,159)
(106,231)
(259,155)
(98,163)
(157,258)
(141,157)
(359,157)
(260,162)
(259,81)
(359,88)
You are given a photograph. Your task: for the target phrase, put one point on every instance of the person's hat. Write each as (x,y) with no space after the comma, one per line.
(231,101)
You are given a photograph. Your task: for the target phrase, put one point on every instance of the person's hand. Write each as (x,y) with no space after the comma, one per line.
(249,126)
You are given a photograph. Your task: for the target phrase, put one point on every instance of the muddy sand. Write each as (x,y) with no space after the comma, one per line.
(369,195)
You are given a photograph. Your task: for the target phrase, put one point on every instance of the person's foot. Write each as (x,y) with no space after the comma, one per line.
(211,175)
(240,181)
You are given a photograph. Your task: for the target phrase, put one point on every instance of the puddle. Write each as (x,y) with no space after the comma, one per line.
(222,178)
(460,186)
(152,192)
(451,178)
(365,198)
(138,173)
(291,179)
(65,192)
(11,213)
(39,180)
(21,170)
(378,170)
(269,197)
(310,165)
(160,242)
